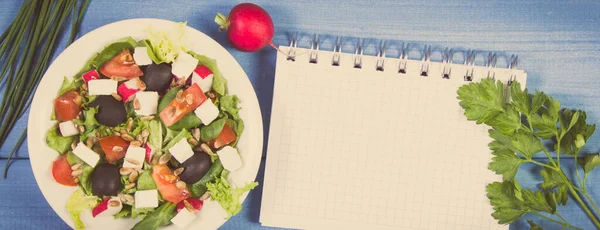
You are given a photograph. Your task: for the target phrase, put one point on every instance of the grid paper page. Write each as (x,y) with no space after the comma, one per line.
(364,149)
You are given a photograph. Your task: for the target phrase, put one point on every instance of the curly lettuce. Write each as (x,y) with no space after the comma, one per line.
(77,203)
(164,46)
(228,198)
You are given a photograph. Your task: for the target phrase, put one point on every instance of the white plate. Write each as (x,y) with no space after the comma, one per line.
(72,59)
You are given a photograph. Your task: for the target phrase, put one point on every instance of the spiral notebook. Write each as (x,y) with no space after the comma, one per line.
(377,142)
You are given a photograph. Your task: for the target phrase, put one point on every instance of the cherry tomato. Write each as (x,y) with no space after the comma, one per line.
(226,136)
(165,183)
(67,106)
(61,171)
(121,67)
(108,145)
(186,102)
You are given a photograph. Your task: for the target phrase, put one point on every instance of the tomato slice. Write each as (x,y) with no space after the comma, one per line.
(108,145)
(121,67)
(226,136)
(67,106)
(184,103)
(165,183)
(61,171)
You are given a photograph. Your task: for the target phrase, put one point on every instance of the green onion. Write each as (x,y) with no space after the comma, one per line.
(26,49)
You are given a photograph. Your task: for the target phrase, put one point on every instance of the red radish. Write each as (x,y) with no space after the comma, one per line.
(90,75)
(130,87)
(202,76)
(249,27)
(196,203)
(100,208)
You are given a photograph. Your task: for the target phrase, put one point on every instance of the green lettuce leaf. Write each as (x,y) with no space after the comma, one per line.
(57,142)
(85,179)
(125,212)
(213,130)
(228,198)
(199,188)
(145,181)
(77,203)
(166,45)
(149,50)
(156,137)
(184,134)
(229,104)
(160,217)
(140,212)
(113,49)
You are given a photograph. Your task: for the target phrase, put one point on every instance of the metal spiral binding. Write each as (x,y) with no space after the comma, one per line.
(358,52)
(337,49)
(314,49)
(470,62)
(381,56)
(447,58)
(403,59)
(447,61)
(425,60)
(291,55)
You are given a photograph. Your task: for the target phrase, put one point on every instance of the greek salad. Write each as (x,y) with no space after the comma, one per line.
(147,130)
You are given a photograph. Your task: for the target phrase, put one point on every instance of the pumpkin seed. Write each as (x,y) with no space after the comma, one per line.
(117,96)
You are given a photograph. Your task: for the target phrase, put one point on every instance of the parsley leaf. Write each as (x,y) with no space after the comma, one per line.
(520,98)
(540,201)
(589,162)
(506,163)
(551,180)
(507,207)
(526,144)
(482,101)
(534,226)
(575,133)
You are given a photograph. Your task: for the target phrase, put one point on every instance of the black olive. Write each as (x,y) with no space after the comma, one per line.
(106,180)
(157,77)
(110,111)
(195,167)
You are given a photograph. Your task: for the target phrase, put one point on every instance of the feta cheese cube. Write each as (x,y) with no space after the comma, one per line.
(140,55)
(207,112)
(146,199)
(181,150)
(102,87)
(203,76)
(183,218)
(113,206)
(230,158)
(86,154)
(148,103)
(68,128)
(183,65)
(136,154)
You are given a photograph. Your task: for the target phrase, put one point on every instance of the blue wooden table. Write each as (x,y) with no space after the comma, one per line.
(558,43)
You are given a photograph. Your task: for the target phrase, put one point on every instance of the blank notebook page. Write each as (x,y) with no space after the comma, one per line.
(364,149)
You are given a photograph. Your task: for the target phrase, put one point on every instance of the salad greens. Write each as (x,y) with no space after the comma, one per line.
(160,217)
(113,49)
(199,188)
(189,121)
(165,45)
(213,130)
(57,142)
(528,125)
(219,83)
(77,203)
(228,197)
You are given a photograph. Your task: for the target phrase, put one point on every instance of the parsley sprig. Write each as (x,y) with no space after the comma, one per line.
(523,126)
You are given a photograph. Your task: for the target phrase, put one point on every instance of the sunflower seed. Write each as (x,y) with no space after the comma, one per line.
(118,78)
(76,166)
(145,140)
(196,133)
(129,124)
(130,186)
(77,172)
(173,82)
(179,96)
(140,171)
(74,144)
(122,131)
(135,143)
(122,197)
(136,104)
(139,138)
(81,129)
(211,94)
(154,159)
(114,203)
(146,118)
(164,158)
(129,198)
(97,134)
(77,100)
(133,176)
(132,161)
(205,196)
(125,171)
(178,171)
(192,141)
(117,96)
(205,148)
(181,185)
(84,87)
(181,82)
(117,148)
(126,137)
(89,142)
(189,99)
(76,180)
(188,206)
(116,133)
(145,133)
